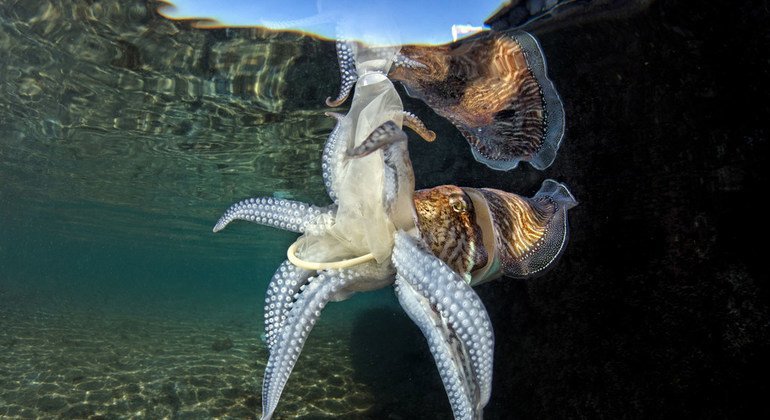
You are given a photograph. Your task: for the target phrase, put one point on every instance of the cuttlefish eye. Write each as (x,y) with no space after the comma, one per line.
(458,202)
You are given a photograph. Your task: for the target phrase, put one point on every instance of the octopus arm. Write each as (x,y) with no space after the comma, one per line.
(402,60)
(348,73)
(275,212)
(327,286)
(335,148)
(398,175)
(281,292)
(334,154)
(453,320)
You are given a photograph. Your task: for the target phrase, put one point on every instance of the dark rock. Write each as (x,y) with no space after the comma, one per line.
(79,411)
(170,396)
(222,344)
(51,404)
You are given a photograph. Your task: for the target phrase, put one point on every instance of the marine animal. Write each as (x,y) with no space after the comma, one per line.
(464,237)
(431,245)
(492,86)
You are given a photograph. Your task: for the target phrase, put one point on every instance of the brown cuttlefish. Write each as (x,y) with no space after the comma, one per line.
(431,245)
(494,88)
(484,233)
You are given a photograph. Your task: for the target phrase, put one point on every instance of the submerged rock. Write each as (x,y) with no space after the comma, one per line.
(222,344)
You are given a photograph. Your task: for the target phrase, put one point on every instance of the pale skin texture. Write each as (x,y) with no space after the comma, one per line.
(368,148)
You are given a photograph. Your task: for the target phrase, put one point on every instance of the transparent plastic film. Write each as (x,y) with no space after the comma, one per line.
(362,225)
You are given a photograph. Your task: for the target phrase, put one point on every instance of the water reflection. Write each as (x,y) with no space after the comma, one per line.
(386,22)
(115,119)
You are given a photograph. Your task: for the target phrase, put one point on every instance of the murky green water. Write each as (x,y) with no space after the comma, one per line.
(126,134)
(123,136)
(112,115)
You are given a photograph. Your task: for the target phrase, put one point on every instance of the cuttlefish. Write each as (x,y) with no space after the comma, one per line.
(432,245)
(492,86)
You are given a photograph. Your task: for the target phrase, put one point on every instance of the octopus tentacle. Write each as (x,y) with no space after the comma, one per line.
(402,60)
(281,291)
(413,122)
(348,73)
(398,176)
(384,135)
(333,154)
(453,320)
(327,286)
(284,214)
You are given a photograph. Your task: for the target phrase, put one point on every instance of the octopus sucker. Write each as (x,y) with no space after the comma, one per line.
(495,89)
(290,340)
(432,245)
(413,122)
(348,73)
(284,214)
(441,306)
(281,293)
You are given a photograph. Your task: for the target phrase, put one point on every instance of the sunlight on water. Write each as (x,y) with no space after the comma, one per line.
(115,119)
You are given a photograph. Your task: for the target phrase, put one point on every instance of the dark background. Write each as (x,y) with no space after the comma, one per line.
(659,306)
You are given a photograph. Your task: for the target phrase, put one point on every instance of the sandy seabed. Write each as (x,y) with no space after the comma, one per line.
(102,365)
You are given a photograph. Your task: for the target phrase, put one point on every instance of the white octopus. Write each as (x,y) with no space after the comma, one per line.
(431,245)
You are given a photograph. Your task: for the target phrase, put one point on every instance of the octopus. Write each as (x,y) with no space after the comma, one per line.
(432,246)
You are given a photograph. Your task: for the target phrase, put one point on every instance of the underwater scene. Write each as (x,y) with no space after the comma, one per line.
(558,216)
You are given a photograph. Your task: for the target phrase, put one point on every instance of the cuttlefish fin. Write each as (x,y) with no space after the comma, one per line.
(495,89)
(348,73)
(453,320)
(279,213)
(531,233)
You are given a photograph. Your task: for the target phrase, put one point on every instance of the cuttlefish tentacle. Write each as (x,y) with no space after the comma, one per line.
(398,175)
(280,213)
(413,122)
(327,286)
(453,320)
(348,73)
(281,291)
